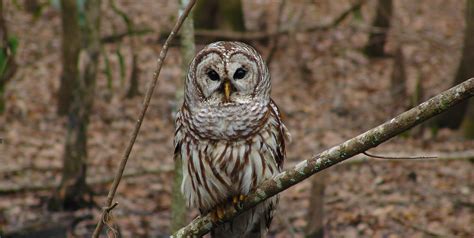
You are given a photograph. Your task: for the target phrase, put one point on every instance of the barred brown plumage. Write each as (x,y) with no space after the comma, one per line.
(229,134)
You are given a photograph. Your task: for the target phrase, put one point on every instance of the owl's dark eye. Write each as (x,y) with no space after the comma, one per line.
(213,75)
(240,73)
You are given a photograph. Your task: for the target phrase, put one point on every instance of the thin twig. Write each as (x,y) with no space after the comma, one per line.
(138,124)
(108,209)
(337,154)
(394,157)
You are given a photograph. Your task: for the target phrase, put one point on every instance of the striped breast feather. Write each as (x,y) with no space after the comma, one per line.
(214,170)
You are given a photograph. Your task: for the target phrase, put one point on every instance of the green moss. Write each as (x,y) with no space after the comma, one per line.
(444,103)
(373,138)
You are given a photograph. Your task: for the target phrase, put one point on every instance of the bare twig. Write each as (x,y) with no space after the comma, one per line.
(399,157)
(396,157)
(108,209)
(336,154)
(146,102)
(107,218)
(187,52)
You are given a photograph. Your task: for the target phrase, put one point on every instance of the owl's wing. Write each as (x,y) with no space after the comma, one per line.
(178,136)
(283,135)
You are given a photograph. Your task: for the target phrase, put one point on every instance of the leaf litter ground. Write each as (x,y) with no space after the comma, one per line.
(327,89)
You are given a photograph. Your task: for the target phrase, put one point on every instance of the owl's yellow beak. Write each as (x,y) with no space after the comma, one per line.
(227,90)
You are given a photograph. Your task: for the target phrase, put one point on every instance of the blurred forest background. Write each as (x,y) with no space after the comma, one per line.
(73,74)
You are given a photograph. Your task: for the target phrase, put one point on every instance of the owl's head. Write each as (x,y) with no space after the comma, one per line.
(225,73)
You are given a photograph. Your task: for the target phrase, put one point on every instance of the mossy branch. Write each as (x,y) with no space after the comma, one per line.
(339,153)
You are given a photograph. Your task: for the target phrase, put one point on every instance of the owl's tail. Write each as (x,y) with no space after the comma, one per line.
(250,224)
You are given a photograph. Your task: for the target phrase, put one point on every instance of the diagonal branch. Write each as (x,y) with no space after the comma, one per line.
(336,154)
(146,102)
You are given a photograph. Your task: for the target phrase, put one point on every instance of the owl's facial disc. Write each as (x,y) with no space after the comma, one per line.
(226,78)
(209,76)
(243,74)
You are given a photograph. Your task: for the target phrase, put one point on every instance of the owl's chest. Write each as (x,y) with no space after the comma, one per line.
(235,121)
(215,170)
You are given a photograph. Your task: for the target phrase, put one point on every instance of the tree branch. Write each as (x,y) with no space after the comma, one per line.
(339,153)
(401,157)
(136,130)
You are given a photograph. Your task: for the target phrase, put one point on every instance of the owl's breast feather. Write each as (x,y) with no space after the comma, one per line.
(228,121)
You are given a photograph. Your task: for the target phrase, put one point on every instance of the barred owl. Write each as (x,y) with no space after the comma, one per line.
(229,135)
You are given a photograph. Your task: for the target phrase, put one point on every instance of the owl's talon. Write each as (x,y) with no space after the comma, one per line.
(220,213)
(217,214)
(214,216)
(235,200)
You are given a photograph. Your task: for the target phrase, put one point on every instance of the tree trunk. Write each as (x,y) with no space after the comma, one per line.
(133,89)
(72,190)
(376,44)
(71,34)
(178,206)
(315,227)
(7,57)
(453,117)
(398,79)
(216,14)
